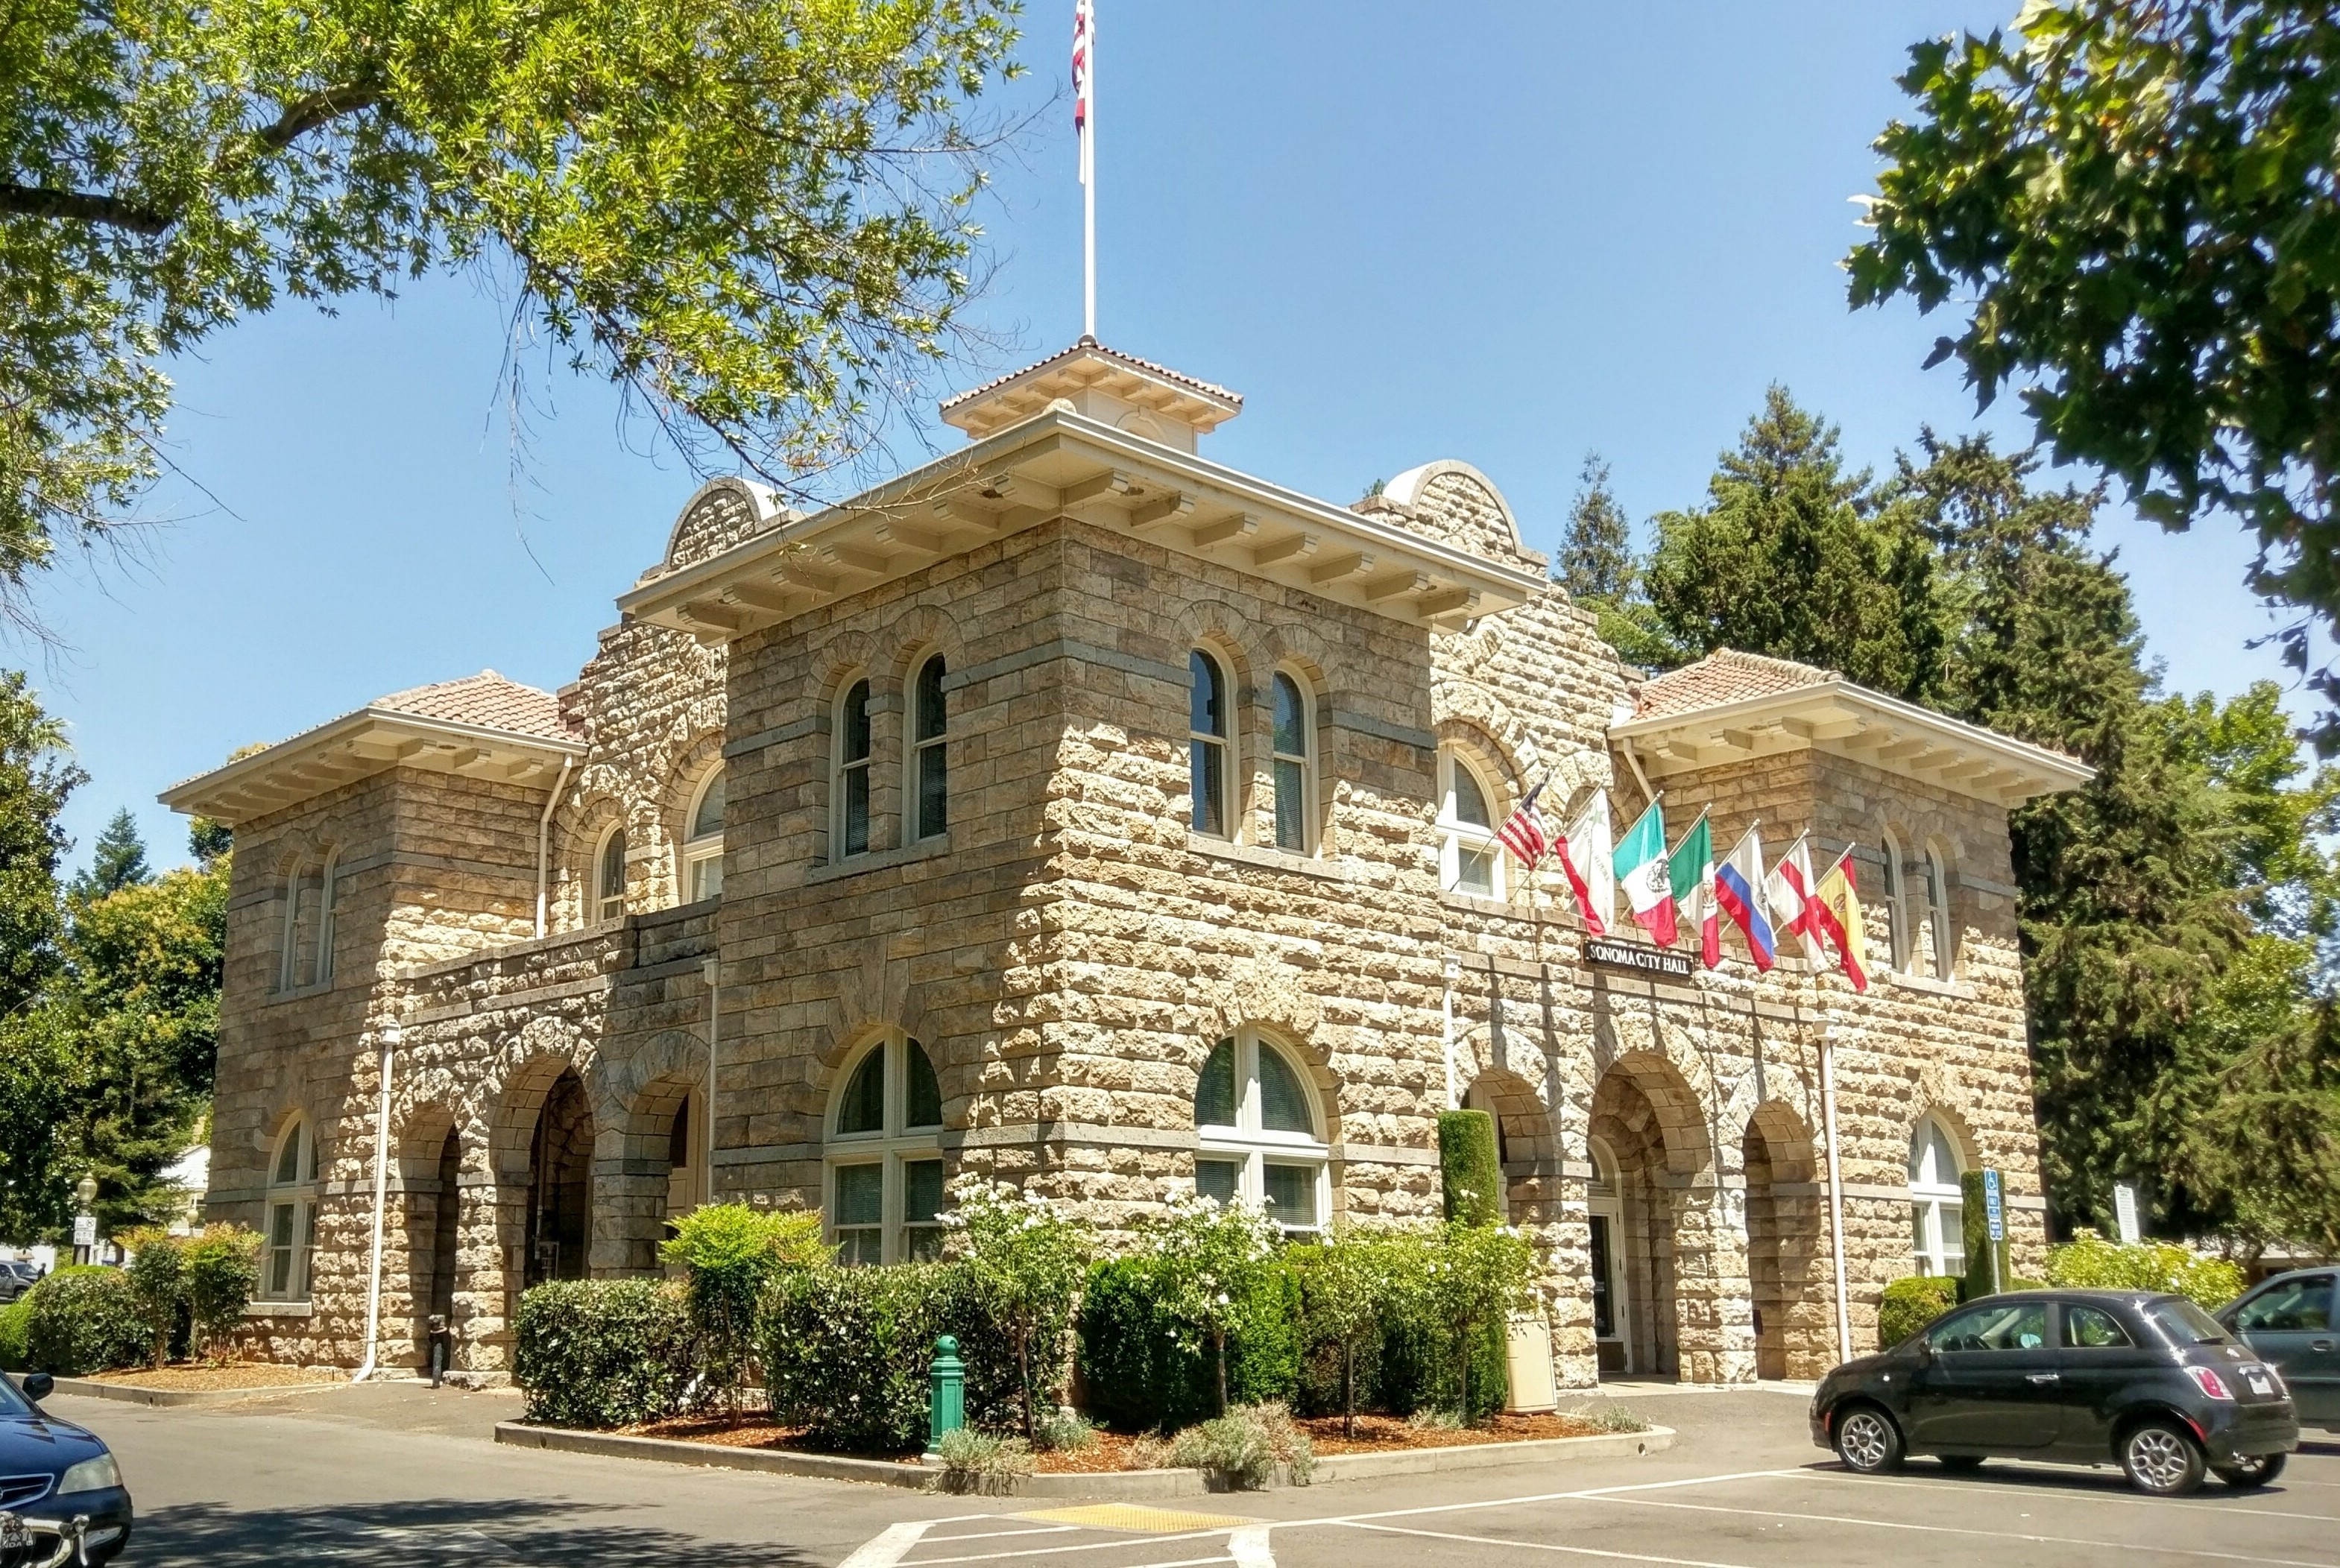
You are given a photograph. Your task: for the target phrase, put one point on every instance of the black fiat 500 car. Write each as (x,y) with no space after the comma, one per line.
(2293,1321)
(62,1500)
(2150,1382)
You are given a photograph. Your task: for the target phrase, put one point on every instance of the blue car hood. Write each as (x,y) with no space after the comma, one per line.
(35,1442)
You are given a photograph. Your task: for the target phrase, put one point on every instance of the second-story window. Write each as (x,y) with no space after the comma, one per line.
(1206,744)
(1899,946)
(304,915)
(329,898)
(1470,859)
(1296,790)
(929,750)
(702,850)
(609,877)
(850,786)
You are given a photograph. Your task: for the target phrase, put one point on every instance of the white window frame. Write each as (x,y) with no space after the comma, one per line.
(1219,749)
(1456,836)
(600,904)
(841,768)
(919,753)
(1900,950)
(297,1201)
(1254,1147)
(893,1147)
(300,930)
(702,852)
(328,901)
(1937,913)
(1299,768)
(1938,1237)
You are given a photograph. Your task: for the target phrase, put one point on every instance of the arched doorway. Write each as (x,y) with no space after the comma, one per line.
(1783,1246)
(1611,1305)
(1646,1123)
(447,1209)
(560,1184)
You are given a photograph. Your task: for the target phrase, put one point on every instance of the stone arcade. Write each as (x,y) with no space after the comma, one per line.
(1078,812)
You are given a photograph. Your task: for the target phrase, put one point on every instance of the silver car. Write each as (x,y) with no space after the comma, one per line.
(2293,1322)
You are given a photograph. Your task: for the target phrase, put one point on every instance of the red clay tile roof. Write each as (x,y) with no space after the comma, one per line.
(486,699)
(1093,346)
(1724,676)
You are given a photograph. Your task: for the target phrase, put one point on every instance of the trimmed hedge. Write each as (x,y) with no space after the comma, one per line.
(1468,1165)
(15,1326)
(847,1353)
(605,1352)
(84,1320)
(2091,1262)
(1911,1303)
(1144,1369)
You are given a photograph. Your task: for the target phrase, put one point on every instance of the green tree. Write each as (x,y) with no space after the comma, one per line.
(732,1254)
(2135,207)
(118,861)
(1027,1259)
(1596,558)
(753,218)
(1208,1256)
(38,1068)
(1797,558)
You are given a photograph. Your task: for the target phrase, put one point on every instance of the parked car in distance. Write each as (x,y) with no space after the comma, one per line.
(17,1277)
(61,1494)
(2149,1381)
(2293,1323)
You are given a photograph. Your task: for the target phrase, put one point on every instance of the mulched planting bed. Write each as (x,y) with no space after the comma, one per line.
(1114,1452)
(195,1378)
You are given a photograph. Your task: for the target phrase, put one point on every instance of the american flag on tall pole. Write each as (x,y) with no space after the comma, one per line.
(1085,128)
(1522,832)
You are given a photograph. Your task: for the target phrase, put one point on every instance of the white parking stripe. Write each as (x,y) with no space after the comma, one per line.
(989,1534)
(2045,1488)
(1545,1546)
(1542,1498)
(1127,1543)
(891,1546)
(1957,1530)
(1248,1547)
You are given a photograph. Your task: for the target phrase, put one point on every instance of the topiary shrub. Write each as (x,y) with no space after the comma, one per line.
(222,1272)
(1911,1303)
(157,1273)
(604,1352)
(84,1320)
(15,1325)
(1468,1163)
(2089,1262)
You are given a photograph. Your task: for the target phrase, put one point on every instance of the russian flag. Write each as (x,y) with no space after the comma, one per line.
(1736,881)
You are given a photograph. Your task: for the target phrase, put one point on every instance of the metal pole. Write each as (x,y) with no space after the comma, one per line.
(389,1034)
(714,1023)
(1835,1193)
(1088,192)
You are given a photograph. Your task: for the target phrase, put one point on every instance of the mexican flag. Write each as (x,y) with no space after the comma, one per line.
(1641,872)
(1691,870)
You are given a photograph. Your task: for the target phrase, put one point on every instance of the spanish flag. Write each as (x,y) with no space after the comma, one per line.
(1839,911)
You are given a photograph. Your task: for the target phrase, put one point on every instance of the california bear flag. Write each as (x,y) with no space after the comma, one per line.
(1641,872)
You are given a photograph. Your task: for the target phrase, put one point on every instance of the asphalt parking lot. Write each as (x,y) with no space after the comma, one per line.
(373,1477)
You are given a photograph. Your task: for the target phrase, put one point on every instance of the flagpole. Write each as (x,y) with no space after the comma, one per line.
(1089,194)
(1835,1178)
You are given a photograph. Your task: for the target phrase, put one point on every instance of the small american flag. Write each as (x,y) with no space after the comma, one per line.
(1522,832)
(1083,31)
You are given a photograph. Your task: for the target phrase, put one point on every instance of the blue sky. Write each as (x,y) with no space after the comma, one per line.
(1506,232)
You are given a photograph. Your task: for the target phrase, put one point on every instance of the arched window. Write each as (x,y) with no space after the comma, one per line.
(1938,914)
(1209,766)
(702,847)
(885,1156)
(1295,771)
(1258,1133)
(609,899)
(1893,903)
(329,898)
(929,750)
(304,897)
(850,778)
(1936,1223)
(292,1234)
(1469,858)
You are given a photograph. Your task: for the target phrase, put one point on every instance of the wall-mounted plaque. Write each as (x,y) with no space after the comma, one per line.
(1632,958)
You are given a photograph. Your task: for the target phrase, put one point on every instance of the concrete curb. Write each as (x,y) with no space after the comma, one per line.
(164,1398)
(1129,1484)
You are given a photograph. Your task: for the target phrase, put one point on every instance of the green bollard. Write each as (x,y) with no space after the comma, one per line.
(946,1394)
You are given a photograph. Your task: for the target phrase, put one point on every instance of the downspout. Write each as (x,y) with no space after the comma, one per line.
(389,1036)
(544,839)
(714,1021)
(1835,1193)
(1633,761)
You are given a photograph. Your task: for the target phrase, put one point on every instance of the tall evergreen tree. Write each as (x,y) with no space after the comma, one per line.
(1795,556)
(1596,559)
(117,861)
(36,1066)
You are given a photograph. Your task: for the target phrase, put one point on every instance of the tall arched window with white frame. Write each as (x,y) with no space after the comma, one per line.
(1937,1212)
(1470,859)
(1258,1135)
(1892,902)
(1295,734)
(291,1238)
(849,773)
(702,846)
(305,893)
(929,749)
(609,890)
(885,1156)
(1210,760)
(329,899)
(1938,914)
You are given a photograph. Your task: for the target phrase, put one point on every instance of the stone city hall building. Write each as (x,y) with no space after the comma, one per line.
(1080,813)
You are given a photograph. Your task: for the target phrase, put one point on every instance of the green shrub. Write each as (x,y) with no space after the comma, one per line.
(84,1319)
(1148,1367)
(848,1352)
(2091,1263)
(982,1462)
(1911,1303)
(1024,1260)
(157,1273)
(1467,1161)
(223,1271)
(15,1328)
(604,1352)
(1243,1447)
(1608,1416)
(731,1253)
(1064,1431)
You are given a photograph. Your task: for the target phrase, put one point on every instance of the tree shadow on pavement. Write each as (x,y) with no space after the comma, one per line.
(506,1534)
